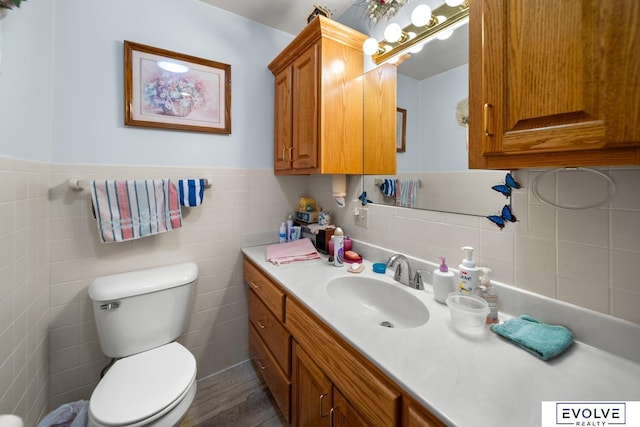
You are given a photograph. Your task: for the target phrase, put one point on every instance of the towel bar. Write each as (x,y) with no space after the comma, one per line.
(378,181)
(79,184)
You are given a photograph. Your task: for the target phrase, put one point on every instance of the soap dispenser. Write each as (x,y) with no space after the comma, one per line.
(443,281)
(469,277)
(488,292)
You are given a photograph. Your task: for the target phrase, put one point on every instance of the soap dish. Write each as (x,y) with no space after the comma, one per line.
(380,267)
(354,269)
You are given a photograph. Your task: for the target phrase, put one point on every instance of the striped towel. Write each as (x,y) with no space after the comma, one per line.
(388,187)
(191,192)
(127,210)
(406,192)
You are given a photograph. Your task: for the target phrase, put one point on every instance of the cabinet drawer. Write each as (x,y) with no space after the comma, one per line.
(278,383)
(271,331)
(269,292)
(368,391)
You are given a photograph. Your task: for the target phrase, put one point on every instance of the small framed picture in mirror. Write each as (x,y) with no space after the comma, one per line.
(401,130)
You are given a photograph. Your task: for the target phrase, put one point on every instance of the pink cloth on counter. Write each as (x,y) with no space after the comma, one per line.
(298,250)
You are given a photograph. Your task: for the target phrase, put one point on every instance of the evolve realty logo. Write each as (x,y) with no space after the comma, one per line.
(590,414)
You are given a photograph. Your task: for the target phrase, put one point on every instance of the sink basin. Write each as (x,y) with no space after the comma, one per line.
(379,302)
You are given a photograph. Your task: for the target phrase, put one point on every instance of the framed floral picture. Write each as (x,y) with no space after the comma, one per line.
(169,90)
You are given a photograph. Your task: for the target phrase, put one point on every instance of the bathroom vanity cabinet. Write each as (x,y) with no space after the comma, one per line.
(269,340)
(554,83)
(315,376)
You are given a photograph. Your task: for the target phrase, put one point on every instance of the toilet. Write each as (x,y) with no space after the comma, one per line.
(139,315)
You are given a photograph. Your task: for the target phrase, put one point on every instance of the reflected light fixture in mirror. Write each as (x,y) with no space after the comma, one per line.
(425,26)
(173,67)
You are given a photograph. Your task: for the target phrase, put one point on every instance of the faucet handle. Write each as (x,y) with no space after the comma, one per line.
(418,282)
(398,273)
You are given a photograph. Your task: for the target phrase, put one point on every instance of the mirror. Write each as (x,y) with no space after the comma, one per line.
(431,85)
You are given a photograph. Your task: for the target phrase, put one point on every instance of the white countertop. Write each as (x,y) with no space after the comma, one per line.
(466,381)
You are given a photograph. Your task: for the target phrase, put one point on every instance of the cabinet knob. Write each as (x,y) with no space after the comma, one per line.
(262,367)
(322,396)
(291,154)
(487,107)
(254,285)
(260,324)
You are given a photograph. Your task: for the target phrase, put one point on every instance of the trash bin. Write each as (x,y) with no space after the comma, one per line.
(68,415)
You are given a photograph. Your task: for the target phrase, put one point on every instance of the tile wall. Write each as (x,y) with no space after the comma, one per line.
(24,288)
(587,257)
(49,253)
(239,201)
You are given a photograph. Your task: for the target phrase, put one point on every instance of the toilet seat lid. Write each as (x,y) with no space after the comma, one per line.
(139,386)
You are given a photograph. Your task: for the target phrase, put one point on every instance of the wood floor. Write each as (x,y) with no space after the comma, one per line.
(236,397)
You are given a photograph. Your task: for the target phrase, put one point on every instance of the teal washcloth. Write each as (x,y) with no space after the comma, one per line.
(542,340)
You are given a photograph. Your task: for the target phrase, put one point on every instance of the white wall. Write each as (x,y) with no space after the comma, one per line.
(62,63)
(26,56)
(435,140)
(88,83)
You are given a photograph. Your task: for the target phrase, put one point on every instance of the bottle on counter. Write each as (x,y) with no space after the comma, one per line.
(283,232)
(338,247)
(488,292)
(469,277)
(289,228)
(443,281)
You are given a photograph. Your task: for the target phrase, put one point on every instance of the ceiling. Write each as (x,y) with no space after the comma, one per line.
(290,16)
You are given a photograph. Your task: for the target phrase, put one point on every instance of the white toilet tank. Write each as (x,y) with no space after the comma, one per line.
(141,310)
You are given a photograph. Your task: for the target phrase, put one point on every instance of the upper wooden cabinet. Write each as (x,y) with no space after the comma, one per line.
(319,101)
(554,83)
(380,104)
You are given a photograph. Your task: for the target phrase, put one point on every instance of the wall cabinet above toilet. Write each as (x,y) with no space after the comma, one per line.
(319,102)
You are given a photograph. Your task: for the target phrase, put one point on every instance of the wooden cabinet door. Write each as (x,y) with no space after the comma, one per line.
(380,107)
(305,109)
(312,392)
(283,121)
(416,416)
(554,83)
(345,415)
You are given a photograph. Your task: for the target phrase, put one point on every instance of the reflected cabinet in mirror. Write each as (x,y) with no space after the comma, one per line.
(432,173)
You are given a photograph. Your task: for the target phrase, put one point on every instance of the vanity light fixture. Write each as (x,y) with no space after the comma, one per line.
(425,26)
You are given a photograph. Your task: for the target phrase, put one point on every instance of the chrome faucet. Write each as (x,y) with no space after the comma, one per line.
(403,275)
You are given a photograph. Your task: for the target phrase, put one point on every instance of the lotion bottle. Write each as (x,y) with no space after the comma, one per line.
(443,282)
(283,233)
(289,227)
(488,292)
(469,277)
(338,247)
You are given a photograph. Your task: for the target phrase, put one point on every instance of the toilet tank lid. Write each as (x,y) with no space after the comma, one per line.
(122,285)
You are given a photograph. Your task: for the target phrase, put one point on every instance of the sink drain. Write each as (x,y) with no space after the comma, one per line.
(386,324)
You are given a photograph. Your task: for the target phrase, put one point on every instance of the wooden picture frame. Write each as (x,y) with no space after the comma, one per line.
(401,130)
(169,90)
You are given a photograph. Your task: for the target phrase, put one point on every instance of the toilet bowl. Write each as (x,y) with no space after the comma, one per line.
(138,316)
(153,388)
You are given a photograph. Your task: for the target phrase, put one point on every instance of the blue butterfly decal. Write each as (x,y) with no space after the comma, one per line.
(505,188)
(363,198)
(501,220)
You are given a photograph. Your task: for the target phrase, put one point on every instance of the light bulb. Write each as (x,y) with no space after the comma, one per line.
(417,48)
(421,15)
(392,33)
(370,46)
(443,35)
(453,3)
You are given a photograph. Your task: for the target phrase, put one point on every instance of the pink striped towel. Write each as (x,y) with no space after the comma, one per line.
(298,250)
(132,209)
